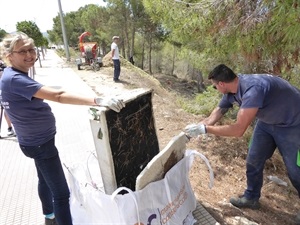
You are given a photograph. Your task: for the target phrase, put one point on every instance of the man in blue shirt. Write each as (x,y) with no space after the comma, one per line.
(275,104)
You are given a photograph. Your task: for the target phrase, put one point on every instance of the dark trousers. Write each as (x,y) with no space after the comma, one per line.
(52,185)
(266,138)
(117,68)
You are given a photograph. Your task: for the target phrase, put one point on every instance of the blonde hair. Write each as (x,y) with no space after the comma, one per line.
(9,42)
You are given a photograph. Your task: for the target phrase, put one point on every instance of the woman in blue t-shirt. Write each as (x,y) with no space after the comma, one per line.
(34,122)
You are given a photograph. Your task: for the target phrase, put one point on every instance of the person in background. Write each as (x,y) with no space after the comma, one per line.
(10,130)
(115,56)
(272,101)
(33,120)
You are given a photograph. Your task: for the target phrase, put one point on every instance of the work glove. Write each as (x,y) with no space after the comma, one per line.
(112,103)
(193,130)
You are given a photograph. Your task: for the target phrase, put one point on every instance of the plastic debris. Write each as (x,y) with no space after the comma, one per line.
(277,180)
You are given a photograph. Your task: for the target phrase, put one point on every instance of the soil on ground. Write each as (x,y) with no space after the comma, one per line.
(279,204)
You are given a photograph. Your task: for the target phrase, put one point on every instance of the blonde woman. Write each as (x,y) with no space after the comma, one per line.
(34,123)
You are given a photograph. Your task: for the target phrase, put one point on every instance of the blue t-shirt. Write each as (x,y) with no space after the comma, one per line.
(276,99)
(31,117)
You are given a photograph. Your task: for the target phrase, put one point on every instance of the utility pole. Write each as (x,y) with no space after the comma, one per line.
(64,31)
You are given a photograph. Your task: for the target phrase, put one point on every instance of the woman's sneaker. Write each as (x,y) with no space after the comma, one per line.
(243,202)
(10,132)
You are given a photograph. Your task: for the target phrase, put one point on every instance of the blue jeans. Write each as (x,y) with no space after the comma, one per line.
(265,139)
(117,68)
(52,185)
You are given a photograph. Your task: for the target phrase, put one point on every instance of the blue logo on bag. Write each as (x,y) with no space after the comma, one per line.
(152,217)
(169,210)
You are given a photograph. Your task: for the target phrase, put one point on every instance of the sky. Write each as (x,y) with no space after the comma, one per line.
(41,12)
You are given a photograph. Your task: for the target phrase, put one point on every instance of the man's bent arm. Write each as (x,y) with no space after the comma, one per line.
(237,129)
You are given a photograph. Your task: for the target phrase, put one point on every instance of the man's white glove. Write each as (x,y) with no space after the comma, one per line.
(112,103)
(193,130)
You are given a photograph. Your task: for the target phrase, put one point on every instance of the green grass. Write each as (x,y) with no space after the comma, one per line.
(203,103)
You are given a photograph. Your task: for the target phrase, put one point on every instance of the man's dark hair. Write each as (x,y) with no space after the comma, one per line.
(222,73)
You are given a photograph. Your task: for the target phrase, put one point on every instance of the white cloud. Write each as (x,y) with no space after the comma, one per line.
(41,12)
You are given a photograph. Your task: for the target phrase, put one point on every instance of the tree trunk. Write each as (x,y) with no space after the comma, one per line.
(132,45)
(143,53)
(200,85)
(150,56)
(173,60)
(126,42)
